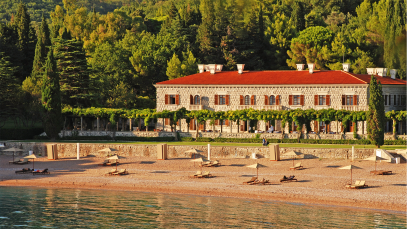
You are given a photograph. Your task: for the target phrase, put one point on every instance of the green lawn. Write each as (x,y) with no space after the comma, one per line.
(284,145)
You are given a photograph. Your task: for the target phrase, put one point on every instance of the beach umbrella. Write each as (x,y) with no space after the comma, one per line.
(257,166)
(115,157)
(375,158)
(201,160)
(32,156)
(108,150)
(350,167)
(194,151)
(13,150)
(292,153)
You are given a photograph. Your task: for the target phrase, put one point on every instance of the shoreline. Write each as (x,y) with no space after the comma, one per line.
(358,205)
(316,186)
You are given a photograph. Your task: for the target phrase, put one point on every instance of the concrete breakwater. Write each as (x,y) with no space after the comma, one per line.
(69,150)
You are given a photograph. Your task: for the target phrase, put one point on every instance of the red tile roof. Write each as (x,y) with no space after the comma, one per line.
(278,78)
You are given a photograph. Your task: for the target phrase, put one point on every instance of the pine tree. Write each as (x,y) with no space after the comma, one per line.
(297,16)
(45,35)
(173,11)
(251,54)
(174,68)
(73,70)
(376,115)
(51,98)
(9,88)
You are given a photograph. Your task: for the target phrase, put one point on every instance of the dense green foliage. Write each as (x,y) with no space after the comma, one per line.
(376,117)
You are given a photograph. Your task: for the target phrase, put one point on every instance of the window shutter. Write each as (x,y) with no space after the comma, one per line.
(328,128)
(389,99)
(277,100)
(216,121)
(227,100)
(252,100)
(355,100)
(316,123)
(315,100)
(385,100)
(191,99)
(328,100)
(343,100)
(178,123)
(266,100)
(166,121)
(302,100)
(216,100)
(166,99)
(290,100)
(241,100)
(177,99)
(201,126)
(191,124)
(227,122)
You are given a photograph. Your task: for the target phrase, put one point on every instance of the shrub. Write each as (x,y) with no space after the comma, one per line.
(187,139)
(204,139)
(16,133)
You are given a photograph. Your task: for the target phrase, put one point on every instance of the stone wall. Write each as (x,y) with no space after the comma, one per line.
(68,150)
(219,135)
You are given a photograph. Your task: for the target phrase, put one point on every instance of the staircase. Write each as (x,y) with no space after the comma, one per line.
(401,156)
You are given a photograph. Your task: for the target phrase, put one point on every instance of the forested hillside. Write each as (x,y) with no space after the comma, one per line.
(110,53)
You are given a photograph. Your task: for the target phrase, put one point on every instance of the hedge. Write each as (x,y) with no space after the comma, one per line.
(306,141)
(119,138)
(19,133)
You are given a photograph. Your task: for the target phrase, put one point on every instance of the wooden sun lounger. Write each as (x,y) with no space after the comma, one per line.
(250,181)
(297,166)
(205,175)
(113,162)
(206,164)
(42,172)
(262,182)
(381,172)
(121,172)
(14,162)
(111,172)
(288,179)
(22,161)
(24,170)
(196,174)
(104,163)
(215,163)
(358,184)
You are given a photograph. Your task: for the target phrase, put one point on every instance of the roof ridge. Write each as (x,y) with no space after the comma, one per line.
(354,76)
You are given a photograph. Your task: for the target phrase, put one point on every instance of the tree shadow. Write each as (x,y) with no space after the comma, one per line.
(404,185)
(304,181)
(160,172)
(333,166)
(147,162)
(247,175)
(237,165)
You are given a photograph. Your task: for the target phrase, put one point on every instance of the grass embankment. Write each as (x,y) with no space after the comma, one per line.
(283,145)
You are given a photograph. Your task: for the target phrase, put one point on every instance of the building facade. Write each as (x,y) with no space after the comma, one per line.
(274,90)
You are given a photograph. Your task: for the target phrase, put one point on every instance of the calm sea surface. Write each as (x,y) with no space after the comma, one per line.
(76,208)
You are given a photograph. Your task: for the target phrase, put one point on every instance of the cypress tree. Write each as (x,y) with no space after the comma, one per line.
(51,98)
(297,16)
(73,70)
(251,54)
(9,88)
(376,115)
(45,34)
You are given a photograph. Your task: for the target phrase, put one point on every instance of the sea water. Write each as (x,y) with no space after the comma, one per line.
(25,207)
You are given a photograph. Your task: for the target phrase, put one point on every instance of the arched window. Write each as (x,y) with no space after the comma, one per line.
(272,100)
(247,100)
(197,100)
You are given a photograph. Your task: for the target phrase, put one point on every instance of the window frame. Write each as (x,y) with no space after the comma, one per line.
(272,100)
(246,100)
(297,100)
(222,100)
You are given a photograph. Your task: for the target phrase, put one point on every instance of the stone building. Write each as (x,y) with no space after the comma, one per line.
(219,90)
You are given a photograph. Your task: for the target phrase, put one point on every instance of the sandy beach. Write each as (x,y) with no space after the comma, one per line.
(320,182)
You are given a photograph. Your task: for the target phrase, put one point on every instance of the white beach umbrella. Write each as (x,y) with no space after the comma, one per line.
(257,166)
(32,156)
(201,160)
(13,150)
(375,158)
(108,150)
(350,167)
(292,153)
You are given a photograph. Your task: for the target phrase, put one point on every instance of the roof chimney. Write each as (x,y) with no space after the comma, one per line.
(393,73)
(206,68)
(346,67)
(371,71)
(311,67)
(219,67)
(212,68)
(240,68)
(300,67)
(201,68)
(381,71)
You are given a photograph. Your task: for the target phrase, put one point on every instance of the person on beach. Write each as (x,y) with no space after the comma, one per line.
(265,143)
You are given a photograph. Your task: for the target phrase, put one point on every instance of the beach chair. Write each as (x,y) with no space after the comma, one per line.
(288,179)
(22,161)
(121,172)
(352,185)
(104,163)
(113,162)
(111,172)
(361,184)
(381,172)
(14,162)
(215,163)
(41,172)
(250,181)
(205,175)
(297,166)
(207,164)
(24,170)
(262,182)
(196,174)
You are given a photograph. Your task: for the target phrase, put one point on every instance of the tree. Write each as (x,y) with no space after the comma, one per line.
(174,68)
(376,115)
(297,16)
(51,98)
(9,89)
(74,72)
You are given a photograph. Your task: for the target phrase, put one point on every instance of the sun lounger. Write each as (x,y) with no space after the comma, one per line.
(215,163)
(113,162)
(261,182)
(358,184)
(297,166)
(14,162)
(111,172)
(250,181)
(288,179)
(121,172)
(205,175)
(352,185)
(196,174)
(22,161)
(105,162)
(381,172)
(41,172)
(207,164)
(24,170)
